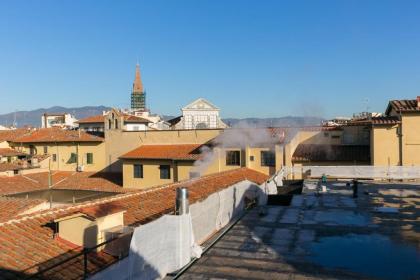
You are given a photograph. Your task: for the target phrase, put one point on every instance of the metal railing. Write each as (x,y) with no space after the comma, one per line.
(85,253)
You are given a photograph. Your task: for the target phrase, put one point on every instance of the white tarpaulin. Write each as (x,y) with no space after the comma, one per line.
(168,243)
(160,247)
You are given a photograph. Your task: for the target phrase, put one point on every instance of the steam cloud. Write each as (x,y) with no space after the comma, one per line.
(240,136)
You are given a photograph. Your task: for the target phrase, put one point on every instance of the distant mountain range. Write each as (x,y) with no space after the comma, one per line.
(33,118)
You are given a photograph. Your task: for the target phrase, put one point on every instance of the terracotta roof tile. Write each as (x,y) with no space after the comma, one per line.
(6,166)
(93,119)
(57,135)
(315,152)
(403,106)
(135,119)
(107,182)
(102,210)
(27,244)
(383,120)
(8,152)
(11,135)
(10,207)
(179,152)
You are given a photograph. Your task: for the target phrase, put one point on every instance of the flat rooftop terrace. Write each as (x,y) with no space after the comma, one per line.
(330,236)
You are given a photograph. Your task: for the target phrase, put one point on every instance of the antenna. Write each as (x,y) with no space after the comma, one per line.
(14,119)
(366,101)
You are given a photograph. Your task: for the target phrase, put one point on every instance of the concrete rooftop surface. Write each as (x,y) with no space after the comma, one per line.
(330,236)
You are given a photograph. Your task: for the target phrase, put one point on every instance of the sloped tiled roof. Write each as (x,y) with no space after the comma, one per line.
(7,152)
(10,207)
(106,182)
(13,134)
(97,211)
(93,119)
(135,119)
(57,135)
(383,120)
(315,152)
(6,166)
(403,106)
(27,244)
(176,151)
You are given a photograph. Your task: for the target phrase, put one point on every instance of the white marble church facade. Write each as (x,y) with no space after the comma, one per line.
(200,114)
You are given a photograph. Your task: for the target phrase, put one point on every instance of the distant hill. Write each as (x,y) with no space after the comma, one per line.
(33,118)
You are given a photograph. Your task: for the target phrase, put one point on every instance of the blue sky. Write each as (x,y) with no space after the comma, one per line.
(250,58)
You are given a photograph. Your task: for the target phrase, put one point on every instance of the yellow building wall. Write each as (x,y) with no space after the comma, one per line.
(256,163)
(63,152)
(85,232)
(151,173)
(384,146)
(79,231)
(120,142)
(183,169)
(180,170)
(411,139)
(218,163)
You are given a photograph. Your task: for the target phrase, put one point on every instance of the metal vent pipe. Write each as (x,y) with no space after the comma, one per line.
(182,205)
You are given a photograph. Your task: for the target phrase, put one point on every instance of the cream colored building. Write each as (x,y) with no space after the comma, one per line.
(68,150)
(156,164)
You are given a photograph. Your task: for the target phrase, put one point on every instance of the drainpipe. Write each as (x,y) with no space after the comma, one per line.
(181,201)
(400,135)
(49,174)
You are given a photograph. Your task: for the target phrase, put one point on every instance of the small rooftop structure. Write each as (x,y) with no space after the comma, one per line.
(58,120)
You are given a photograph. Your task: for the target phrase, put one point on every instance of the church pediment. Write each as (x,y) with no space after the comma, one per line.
(200,104)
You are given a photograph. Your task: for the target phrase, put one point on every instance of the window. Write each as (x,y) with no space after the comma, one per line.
(89,158)
(116,123)
(251,158)
(194,175)
(54,157)
(45,150)
(73,158)
(233,158)
(109,124)
(268,158)
(32,150)
(165,172)
(138,170)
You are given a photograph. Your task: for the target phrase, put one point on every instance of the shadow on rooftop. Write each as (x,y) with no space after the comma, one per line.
(273,247)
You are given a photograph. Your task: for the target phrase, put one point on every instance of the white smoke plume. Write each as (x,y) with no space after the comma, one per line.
(240,136)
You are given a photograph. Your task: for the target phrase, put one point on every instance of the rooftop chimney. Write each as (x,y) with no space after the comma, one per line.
(418,101)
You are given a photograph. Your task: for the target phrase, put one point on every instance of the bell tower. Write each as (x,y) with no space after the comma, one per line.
(138,95)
